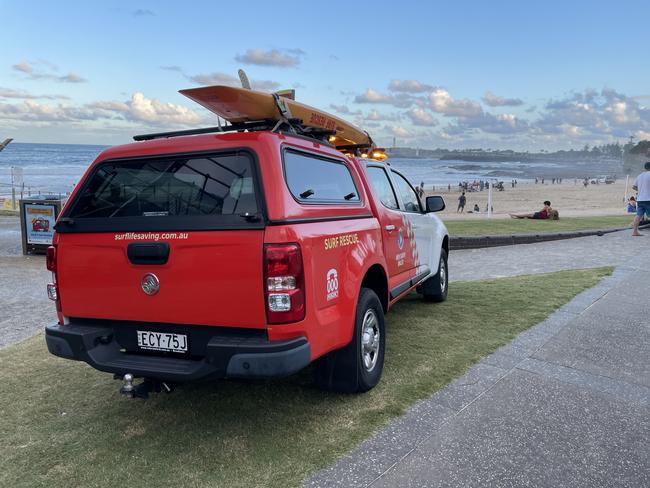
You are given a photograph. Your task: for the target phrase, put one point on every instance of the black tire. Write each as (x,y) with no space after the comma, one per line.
(435,288)
(348,370)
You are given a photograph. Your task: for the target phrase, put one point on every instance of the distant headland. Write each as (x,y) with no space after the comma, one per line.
(608,154)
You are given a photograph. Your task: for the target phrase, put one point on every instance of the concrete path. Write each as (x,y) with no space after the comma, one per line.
(24,306)
(567,403)
(544,257)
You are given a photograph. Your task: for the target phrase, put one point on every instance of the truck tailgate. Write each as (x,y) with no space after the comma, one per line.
(209,278)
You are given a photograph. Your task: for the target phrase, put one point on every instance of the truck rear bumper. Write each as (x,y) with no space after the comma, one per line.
(222,356)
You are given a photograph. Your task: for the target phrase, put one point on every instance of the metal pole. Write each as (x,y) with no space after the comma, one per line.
(489,209)
(627,179)
(22,190)
(13,190)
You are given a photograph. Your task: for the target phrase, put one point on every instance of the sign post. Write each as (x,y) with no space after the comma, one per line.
(489,209)
(16,180)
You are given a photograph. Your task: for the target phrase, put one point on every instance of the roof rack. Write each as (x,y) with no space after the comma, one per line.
(240,126)
(288,125)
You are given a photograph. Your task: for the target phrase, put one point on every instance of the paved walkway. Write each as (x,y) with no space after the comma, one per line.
(585,252)
(567,403)
(24,306)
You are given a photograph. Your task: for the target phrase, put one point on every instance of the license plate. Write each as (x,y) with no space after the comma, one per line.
(162,341)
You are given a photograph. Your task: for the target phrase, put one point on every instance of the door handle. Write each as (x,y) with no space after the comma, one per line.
(390,228)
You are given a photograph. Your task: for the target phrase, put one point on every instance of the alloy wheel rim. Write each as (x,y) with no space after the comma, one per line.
(370,338)
(443,275)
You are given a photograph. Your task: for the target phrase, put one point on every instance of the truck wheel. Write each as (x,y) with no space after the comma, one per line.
(357,367)
(435,288)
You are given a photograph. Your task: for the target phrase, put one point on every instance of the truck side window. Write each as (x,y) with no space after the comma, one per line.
(406,191)
(319,180)
(383,187)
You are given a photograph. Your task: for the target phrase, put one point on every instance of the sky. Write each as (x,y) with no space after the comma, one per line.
(500,74)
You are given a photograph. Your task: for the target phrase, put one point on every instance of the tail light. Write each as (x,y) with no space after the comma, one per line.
(51,259)
(52,288)
(284,283)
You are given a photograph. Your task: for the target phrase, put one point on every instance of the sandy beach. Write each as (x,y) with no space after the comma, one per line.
(571,200)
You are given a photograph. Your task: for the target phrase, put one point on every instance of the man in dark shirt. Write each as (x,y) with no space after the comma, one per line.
(461,203)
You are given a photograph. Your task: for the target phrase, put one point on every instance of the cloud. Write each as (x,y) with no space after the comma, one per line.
(150,110)
(138,109)
(32,73)
(400,100)
(24,67)
(441,101)
(143,12)
(274,57)
(372,96)
(70,78)
(217,78)
(374,115)
(11,93)
(504,124)
(173,67)
(265,85)
(344,109)
(421,117)
(32,111)
(409,86)
(496,101)
(595,114)
(399,131)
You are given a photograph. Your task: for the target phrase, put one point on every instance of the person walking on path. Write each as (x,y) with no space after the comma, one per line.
(461,203)
(642,186)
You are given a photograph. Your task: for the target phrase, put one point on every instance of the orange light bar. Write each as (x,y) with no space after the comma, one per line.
(379,154)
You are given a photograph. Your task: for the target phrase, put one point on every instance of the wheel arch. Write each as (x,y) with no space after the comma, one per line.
(377,280)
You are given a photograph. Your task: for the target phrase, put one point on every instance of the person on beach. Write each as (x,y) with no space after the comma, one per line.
(631,205)
(642,186)
(462,200)
(543,214)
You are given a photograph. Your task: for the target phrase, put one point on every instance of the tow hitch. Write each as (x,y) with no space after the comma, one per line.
(143,389)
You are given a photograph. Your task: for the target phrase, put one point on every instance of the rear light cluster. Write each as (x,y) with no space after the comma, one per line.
(284,283)
(52,289)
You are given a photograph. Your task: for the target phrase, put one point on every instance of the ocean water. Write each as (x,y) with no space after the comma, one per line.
(56,168)
(47,168)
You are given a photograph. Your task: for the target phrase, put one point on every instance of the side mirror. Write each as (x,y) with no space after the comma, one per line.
(435,204)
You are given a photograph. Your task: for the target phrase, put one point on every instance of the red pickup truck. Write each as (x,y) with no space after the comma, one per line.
(241,255)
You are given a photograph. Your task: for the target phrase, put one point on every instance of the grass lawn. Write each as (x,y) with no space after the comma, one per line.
(529,226)
(62,424)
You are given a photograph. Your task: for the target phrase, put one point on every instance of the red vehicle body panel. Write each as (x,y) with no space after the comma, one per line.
(199,284)
(215,278)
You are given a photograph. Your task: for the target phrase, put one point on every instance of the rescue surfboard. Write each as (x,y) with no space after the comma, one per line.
(244,105)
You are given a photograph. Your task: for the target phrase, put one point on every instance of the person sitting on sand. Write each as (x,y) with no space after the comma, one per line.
(543,214)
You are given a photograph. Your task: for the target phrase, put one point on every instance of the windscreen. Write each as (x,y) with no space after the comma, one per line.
(197,186)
